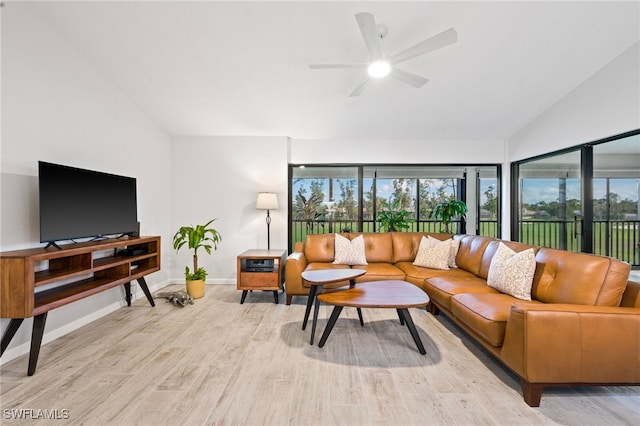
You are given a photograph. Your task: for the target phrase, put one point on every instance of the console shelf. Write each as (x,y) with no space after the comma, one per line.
(71,273)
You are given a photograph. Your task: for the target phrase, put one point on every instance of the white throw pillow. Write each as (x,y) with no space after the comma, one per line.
(454,246)
(433,253)
(511,272)
(349,252)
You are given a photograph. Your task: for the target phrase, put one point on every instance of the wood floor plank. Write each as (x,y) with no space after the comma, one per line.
(220,362)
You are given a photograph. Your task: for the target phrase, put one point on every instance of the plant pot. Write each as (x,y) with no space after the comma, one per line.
(195,288)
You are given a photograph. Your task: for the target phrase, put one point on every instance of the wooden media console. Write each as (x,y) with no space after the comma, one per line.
(35,281)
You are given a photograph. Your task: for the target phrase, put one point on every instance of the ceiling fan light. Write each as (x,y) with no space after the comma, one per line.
(379,69)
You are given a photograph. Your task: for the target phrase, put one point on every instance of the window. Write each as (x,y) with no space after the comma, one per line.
(583,199)
(346,198)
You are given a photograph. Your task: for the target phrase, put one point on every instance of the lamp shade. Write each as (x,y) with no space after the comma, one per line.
(267,201)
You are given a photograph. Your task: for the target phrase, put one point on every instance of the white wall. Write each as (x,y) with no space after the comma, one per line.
(56,107)
(220,177)
(607,104)
(451,151)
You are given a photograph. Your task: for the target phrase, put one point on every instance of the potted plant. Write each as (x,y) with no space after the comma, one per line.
(196,237)
(446,211)
(392,217)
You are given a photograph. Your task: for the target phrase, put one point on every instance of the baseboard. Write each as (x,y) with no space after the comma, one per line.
(215,281)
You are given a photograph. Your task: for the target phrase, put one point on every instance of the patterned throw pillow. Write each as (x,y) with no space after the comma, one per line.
(349,252)
(511,272)
(433,253)
(454,246)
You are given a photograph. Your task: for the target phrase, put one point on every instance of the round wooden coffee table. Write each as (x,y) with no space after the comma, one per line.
(317,279)
(399,295)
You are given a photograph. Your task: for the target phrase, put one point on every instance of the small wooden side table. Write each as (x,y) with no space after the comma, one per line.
(317,279)
(261,270)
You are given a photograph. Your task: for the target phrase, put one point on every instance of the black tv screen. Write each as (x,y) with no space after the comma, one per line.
(79,203)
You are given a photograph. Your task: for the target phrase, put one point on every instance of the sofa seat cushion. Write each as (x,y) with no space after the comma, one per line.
(315,266)
(484,313)
(417,274)
(379,271)
(442,289)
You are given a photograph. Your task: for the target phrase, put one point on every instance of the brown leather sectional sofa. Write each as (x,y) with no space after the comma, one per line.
(582,326)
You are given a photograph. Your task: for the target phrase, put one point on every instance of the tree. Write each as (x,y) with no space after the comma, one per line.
(347,198)
(402,193)
(491,203)
(307,209)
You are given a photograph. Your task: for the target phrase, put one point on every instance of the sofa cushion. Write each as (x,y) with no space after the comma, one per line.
(512,272)
(484,313)
(433,253)
(319,248)
(441,289)
(417,274)
(380,271)
(378,247)
(470,253)
(579,278)
(349,252)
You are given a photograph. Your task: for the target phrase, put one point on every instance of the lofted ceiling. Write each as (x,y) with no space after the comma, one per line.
(241,68)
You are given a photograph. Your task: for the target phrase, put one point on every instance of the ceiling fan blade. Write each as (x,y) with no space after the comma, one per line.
(360,87)
(409,78)
(443,39)
(335,66)
(367,24)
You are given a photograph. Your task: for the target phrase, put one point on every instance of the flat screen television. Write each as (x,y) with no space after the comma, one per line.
(79,203)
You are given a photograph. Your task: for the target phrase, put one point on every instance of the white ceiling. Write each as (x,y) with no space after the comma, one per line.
(240,68)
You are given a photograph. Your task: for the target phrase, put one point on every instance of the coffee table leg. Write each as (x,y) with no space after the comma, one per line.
(315,320)
(404,313)
(312,296)
(400,316)
(332,321)
(352,284)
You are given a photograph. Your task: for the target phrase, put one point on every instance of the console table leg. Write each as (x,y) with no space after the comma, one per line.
(275,296)
(14,325)
(332,321)
(36,341)
(127,293)
(412,329)
(145,289)
(244,296)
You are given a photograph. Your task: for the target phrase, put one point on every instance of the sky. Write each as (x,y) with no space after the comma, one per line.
(536,190)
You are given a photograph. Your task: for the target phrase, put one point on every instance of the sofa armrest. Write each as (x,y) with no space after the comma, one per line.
(562,343)
(296,264)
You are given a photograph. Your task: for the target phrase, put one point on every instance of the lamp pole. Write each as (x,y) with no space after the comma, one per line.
(268,231)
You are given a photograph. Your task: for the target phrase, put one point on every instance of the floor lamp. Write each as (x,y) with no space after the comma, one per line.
(267,201)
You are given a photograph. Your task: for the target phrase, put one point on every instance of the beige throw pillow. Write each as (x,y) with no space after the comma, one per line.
(349,252)
(433,253)
(511,272)
(454,246)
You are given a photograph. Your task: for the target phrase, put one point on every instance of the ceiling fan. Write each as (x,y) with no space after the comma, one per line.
(380,65)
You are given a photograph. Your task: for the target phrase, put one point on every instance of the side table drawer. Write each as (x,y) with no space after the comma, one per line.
(261,280)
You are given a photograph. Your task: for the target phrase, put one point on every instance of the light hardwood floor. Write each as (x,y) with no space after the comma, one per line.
(219,362)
